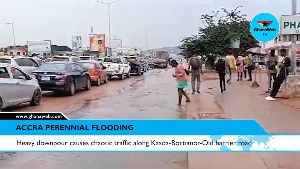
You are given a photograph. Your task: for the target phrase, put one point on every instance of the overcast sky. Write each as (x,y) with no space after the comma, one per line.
(170,20)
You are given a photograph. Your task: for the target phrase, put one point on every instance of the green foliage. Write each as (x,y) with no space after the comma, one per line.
(219,32)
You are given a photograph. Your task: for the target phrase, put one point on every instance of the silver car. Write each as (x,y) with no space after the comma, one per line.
(65,59)
(25,63)
(17,87)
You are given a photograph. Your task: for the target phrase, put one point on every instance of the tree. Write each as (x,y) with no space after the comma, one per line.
(218,33)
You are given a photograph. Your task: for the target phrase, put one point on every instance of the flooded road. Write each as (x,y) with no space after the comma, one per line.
(152,96)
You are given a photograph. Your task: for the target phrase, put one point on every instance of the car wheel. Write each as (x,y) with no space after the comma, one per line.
(98,83)
(106,79)
(88,84)
(72,89)
(142,73)
(122,77)
(36,98)
(139,72)
(128,74)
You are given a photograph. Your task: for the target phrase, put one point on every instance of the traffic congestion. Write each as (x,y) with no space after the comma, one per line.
(26,79)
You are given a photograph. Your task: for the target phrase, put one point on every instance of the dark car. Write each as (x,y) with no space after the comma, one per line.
(65,77)
(136,66)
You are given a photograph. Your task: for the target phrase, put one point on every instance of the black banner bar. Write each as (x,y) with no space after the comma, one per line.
(32,116)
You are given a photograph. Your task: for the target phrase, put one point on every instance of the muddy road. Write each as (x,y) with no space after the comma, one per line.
(152,96)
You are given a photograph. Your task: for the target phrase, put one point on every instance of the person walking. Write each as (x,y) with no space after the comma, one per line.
(220,67)
(284,72)
(251,67)
(246,65)
(240,67)
(182,81)
(195,67)
(232,64)
(271,64)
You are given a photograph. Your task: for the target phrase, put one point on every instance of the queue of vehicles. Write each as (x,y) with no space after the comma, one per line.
(22,79)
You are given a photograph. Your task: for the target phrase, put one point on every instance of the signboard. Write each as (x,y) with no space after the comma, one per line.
(235,43)
(76,43)
(290,24)
(39,46)
(116,43)
(97,43)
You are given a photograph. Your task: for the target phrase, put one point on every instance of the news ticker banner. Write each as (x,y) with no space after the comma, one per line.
(57,133)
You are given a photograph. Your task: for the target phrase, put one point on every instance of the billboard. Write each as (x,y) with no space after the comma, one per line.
(39,46)
(290,24)
(76,43)
(97,43)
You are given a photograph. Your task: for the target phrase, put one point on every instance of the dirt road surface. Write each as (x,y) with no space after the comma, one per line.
(147,97)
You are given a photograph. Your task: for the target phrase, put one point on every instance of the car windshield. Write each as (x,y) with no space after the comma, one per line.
(5,60)
(53,67)
(60,59)
(89,65)
(112,60)
(84,58)
(26,62)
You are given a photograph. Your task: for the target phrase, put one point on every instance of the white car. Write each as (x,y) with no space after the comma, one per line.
(65,59)
(87,58)
(17,87)
(25,63)
(117,67)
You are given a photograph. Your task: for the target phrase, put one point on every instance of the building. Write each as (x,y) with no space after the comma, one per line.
(16,51)
(60,50)
(289,26)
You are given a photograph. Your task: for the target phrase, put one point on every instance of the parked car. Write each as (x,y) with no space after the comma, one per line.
(64,77)
(65,59)
(27,64)
(96,70)
(135,65)
(17,87)
(150,63)
(117,67)
(87,58)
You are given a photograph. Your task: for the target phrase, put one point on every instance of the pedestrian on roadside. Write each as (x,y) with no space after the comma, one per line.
(284,72)
(271,64)
(240,67)
(251,67)
(228,70)
(246,65)
(195,67)
(182,81)
(231,61)
(220,67)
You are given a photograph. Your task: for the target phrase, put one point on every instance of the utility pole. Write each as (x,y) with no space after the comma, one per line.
(294,39)
(146,32)
(109,22)
(13,31)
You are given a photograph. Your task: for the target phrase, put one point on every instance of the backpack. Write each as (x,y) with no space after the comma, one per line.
(195,63)
(220,66)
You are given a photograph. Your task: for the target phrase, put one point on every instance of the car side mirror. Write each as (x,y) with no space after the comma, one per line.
(85,69)
(104,67)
